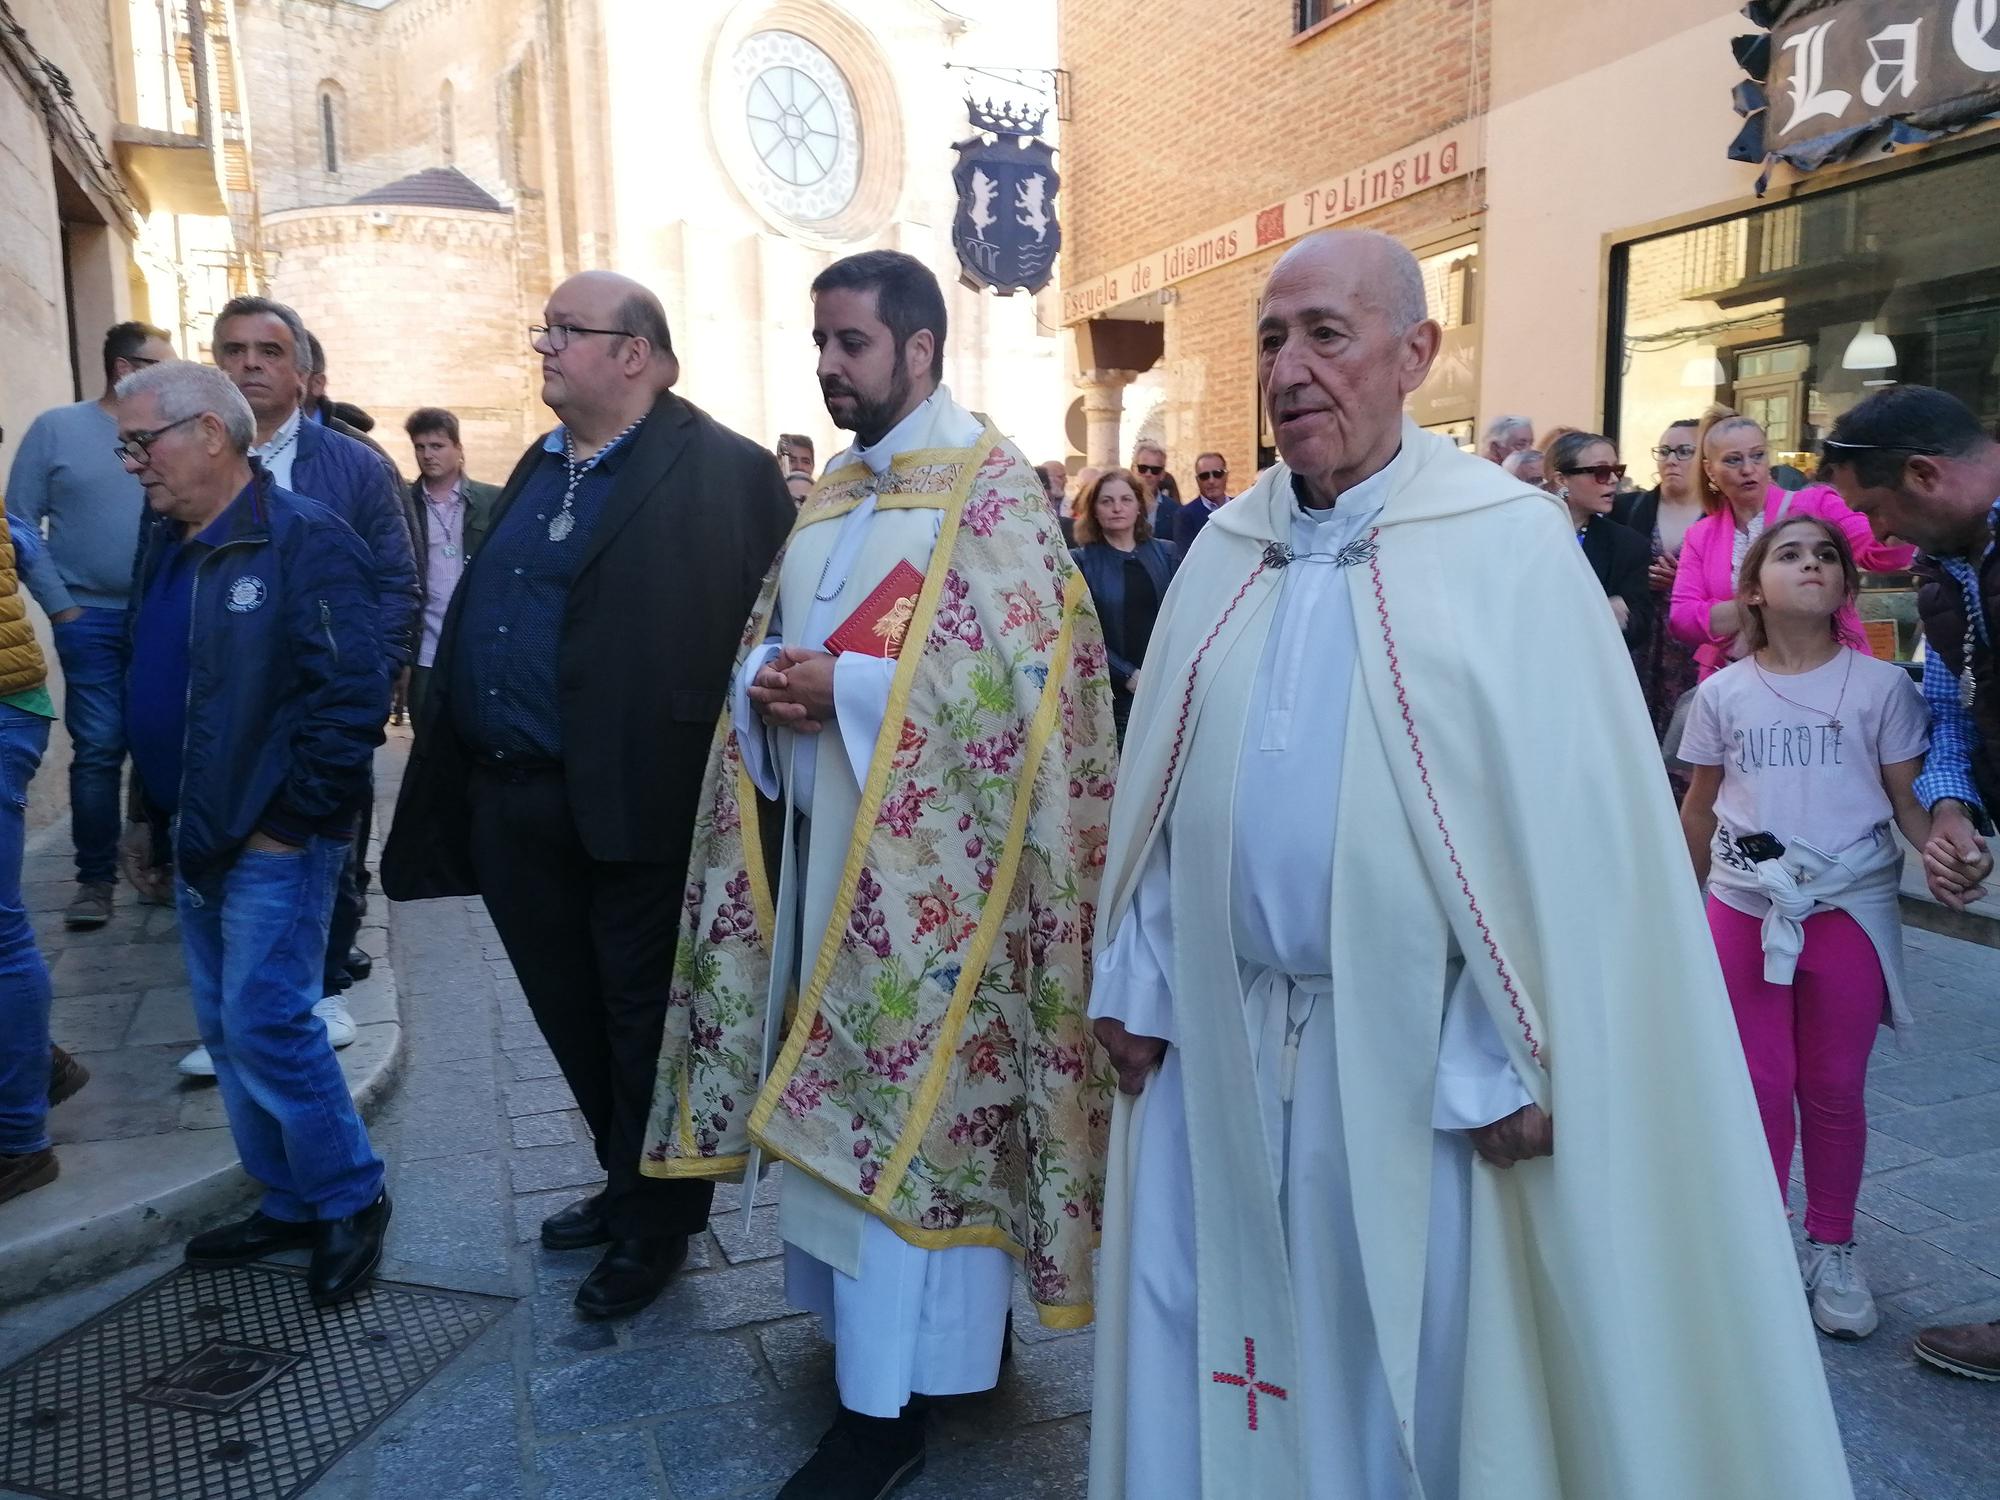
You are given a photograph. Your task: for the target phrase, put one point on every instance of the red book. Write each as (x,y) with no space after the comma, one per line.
(878,626)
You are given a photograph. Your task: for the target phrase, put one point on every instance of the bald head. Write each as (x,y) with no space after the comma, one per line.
(1342,340)
(617,353)
(1382,267)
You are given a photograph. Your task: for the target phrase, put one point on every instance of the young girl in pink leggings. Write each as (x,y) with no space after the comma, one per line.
(1804,752)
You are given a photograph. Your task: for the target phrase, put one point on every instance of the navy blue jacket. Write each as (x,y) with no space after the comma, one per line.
(288,687)
(1104,570)
(353,481)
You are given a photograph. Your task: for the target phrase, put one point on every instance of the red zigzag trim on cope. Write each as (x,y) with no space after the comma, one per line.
(1187,698)
(1423,770)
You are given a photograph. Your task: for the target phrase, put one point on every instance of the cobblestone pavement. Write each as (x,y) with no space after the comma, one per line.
(718,1390)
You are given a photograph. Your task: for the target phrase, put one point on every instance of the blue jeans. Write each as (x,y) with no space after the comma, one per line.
(253,960)
(24,978)
(93,650)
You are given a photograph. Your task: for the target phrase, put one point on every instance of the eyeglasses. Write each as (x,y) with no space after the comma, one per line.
(558,335)
(1211,473)
(136,449)
(1681,451)
(1602,473)
(1152,471)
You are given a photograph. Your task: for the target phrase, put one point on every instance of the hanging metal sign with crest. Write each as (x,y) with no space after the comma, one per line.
(1005,231)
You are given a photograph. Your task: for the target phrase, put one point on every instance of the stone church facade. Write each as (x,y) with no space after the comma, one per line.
(428,169)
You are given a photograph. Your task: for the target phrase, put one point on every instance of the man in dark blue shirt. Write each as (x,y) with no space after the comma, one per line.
(562,741)
(257,693)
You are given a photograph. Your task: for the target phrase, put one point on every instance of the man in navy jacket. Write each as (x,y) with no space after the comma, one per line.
(256,696)
(264,348)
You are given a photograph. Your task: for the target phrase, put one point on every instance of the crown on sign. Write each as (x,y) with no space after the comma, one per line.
(1006,117)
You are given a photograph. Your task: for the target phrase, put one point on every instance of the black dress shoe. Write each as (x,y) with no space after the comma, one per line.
(249,1239)
(632,1274)
(347,1253)
(862,1458)
(358,964)
(577,1227)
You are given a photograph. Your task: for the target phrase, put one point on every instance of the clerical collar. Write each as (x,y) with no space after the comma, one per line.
(879,454)
(1369,495)
(288,431)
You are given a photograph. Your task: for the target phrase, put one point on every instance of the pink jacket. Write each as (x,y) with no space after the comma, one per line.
(1703,580)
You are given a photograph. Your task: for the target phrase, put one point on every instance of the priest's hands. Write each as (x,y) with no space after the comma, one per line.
(795,691)
(1521,1136)
(1134,1057)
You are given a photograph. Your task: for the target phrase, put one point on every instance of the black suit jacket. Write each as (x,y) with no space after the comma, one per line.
(650,635)
(1620,560)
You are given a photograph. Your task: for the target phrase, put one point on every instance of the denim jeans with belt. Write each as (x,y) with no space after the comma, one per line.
(254,951)
(93,648)
(24,978)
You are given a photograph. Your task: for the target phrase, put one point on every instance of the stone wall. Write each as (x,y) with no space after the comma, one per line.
(422,309)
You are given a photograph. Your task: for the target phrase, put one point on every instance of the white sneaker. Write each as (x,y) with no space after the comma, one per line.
(1842,1305)
(197,1064)
(339,1024)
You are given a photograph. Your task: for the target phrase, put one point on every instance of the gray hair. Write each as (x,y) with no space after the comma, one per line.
(184,389)
(1518,460)
(246,307)
(1499,428)
(1403,297)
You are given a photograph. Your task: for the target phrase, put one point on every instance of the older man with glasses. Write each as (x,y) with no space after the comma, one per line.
(1211,477)
(256,696)
(560,748)
(1163,507)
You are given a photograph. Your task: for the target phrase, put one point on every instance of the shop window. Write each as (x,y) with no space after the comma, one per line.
(1793,313)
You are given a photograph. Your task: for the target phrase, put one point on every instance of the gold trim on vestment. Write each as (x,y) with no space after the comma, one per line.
(945,1052)
(872,793)
(696,1166)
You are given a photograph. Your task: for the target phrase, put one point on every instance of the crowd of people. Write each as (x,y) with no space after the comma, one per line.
(903,818)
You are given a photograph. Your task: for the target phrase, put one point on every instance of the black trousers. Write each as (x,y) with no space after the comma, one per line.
(593,946)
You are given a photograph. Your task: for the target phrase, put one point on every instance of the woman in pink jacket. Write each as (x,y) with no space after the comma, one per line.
(1734,482)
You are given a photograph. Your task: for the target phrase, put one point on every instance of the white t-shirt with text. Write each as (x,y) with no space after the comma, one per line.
(1787,771)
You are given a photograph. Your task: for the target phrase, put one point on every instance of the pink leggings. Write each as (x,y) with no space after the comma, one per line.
(1809,1040)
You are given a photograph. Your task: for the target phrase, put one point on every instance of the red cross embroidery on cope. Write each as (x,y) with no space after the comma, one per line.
(1249,1381)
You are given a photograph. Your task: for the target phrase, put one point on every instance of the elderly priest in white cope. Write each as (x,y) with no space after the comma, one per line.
(1437,1171)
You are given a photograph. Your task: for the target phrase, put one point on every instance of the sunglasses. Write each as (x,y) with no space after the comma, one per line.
(1211,473)
(1681,451)
(1154,470)
(1602,473)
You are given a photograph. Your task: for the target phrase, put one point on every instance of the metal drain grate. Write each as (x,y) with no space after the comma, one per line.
(222,1385)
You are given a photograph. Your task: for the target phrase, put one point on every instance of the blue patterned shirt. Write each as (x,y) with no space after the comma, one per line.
(504,696)
(1948,768)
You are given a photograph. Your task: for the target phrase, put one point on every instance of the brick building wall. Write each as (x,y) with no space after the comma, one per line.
(1187,115)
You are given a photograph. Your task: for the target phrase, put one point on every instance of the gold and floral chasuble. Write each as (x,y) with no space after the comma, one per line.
(937,1067)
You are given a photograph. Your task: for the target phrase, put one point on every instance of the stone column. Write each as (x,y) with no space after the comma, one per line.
(1103,409)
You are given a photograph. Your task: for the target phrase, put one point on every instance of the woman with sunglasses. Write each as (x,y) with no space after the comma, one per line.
(1733,482)
(1661,516)
(1583,471)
